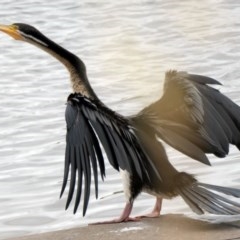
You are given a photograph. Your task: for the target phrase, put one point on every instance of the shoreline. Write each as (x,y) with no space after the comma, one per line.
(169,226)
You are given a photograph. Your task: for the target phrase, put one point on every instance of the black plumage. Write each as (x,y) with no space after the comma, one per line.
(91,125)
(191,116)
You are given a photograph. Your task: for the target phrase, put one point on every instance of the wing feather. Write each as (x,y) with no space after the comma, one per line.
(87,177)
(79,184)
(98,152)
(193,117)
(118,149)
(90,152)
(105,141)
(66,170)
(73,176)
(183,145)
(90,127)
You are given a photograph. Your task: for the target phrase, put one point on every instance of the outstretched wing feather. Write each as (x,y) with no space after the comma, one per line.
(106,143)
(87,177)
(79,184)
(66,170)
(73,176)
(89,127)
(188,102)
(91,154)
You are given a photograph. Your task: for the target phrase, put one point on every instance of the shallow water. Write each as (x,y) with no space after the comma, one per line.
(127,46)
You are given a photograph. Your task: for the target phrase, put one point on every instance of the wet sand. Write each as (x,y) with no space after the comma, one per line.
(170,227)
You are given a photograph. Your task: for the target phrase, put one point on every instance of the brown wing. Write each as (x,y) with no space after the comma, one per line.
(193,117)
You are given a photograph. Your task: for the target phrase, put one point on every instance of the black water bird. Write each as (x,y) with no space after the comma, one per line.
(191,116)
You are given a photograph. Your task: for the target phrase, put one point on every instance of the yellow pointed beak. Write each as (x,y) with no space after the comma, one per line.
(11,30)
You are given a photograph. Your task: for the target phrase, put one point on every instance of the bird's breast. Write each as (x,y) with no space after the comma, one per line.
(126,180)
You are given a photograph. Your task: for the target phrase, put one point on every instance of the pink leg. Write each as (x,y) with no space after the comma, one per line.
(123,218)
(156,210)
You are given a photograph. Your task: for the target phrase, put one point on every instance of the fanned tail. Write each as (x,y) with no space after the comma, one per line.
(203,197)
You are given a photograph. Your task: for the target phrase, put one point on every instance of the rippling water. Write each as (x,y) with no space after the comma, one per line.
(127,46)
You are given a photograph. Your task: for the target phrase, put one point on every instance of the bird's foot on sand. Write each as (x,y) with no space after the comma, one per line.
(155,212)
(123,218)
(117,220)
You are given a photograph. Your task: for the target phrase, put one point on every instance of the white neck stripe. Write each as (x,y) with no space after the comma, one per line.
(34,39)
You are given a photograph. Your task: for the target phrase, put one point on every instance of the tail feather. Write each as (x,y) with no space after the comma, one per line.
(194,206)
(204,203)
(226,190)
(230,206)
(216,196)
(219,205)
(202,198)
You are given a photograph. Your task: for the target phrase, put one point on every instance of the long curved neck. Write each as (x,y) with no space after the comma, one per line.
(74,65)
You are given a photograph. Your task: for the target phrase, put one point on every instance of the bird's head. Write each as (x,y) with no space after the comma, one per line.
(24,32)
(28,33)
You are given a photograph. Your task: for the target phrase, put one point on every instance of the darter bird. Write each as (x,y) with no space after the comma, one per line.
(191,116)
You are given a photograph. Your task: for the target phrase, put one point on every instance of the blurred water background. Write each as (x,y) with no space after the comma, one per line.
(127,46)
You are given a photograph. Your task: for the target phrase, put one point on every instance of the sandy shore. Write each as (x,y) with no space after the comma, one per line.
(170,227)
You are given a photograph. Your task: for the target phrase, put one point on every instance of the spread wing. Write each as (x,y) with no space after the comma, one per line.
(90,127)
(193,117)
